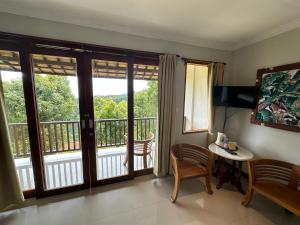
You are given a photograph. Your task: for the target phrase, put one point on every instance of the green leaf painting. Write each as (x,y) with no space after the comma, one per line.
(279,100)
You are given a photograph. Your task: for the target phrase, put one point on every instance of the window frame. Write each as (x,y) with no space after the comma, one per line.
(198,62)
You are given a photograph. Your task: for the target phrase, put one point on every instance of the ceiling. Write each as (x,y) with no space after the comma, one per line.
(221,24)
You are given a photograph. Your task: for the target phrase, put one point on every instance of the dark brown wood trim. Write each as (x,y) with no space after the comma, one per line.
(84,72)
(9,46)
(69,45)
(29,194)
(61,190)
(260,72)
(53,52)
(143,172)
(1,88)
(33,119)
(108,57)
(112,180)
(146,61)
(130,115)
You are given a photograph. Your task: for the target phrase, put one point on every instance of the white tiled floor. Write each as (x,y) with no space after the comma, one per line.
(146,201)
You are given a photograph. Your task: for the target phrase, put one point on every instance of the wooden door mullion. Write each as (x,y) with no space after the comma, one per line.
(33,120)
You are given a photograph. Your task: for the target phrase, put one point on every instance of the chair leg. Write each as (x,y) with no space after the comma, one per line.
(150,156)
(125,160)
(175,189)
(248,197)
(145,161)
(288,212)
(208,185)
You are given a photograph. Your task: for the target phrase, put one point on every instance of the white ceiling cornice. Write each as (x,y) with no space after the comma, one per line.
(269,34)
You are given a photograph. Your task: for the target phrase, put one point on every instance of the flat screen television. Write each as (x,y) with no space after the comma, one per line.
(235,96)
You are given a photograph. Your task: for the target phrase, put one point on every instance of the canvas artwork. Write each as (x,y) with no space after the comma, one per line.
(278,103)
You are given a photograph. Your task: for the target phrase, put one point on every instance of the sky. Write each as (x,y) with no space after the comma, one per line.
(101,86)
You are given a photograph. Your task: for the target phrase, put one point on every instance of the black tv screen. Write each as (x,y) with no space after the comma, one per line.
(235,96)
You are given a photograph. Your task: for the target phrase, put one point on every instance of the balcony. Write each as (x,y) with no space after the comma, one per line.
(61,147)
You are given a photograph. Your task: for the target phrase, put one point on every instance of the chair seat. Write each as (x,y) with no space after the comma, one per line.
(280,194)
(188,169)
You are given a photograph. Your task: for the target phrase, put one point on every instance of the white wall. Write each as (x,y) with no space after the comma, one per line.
(263,141)
(43,28)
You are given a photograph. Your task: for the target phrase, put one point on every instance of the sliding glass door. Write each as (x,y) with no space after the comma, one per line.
(145,115)
(89,118)
(110,108)
(56,88)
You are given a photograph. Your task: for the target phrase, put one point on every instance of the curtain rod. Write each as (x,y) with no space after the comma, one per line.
(200,61)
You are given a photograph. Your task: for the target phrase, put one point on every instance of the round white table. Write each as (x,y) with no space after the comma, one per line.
(229,175)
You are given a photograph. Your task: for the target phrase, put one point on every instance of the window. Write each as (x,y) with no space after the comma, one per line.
(196,98)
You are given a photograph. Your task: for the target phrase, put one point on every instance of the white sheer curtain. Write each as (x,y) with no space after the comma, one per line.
(166,113)
(10,191)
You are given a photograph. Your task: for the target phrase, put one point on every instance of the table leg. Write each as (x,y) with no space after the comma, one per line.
(238,179)
(218,167)
(231,175)
(223,173)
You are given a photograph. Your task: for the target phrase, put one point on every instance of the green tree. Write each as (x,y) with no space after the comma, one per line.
(115,107)
(54,97)
(145,101)
(14,101)
(107,108)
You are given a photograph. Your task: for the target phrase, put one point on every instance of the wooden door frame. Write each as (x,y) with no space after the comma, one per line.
(27,45)
(33,124)
(38,167)
(89,98)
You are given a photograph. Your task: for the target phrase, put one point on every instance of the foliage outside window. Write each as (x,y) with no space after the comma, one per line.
(196,98)
(57,103)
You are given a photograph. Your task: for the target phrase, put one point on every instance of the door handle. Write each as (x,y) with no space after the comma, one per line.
(83,124)
(91,123)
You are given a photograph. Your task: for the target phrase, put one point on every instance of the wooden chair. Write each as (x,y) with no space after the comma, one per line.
(189,161)
(141,148)
(279,181)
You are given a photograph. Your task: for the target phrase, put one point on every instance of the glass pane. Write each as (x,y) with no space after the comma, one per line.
(196,98)
(58,107)
(12,89)
(110,112)
(145,115)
